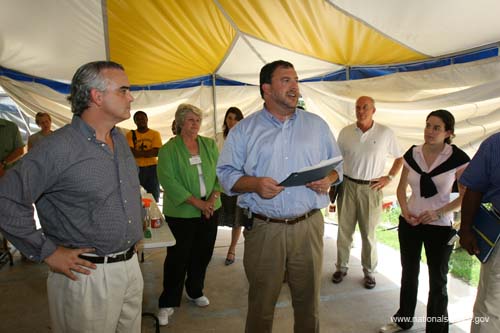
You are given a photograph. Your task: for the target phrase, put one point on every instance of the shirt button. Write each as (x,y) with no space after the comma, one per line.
(286,158)
(121,181)
(128,242)
(129,221)
(125,201)
(103,144)
(89,139)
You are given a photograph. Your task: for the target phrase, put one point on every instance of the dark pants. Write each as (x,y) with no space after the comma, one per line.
(149,180)
(434,239)
(195,240)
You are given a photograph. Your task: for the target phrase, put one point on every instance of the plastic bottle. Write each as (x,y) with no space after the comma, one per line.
(147,219)
(155,218)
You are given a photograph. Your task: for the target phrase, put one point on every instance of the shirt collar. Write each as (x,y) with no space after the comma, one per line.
(447,150)
(269,116)
(85,129)
(357,129)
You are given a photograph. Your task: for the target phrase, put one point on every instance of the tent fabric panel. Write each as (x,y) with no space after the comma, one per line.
(243,53)
(470,91)
(50,38)
(317,29)
(435,28)
(32,97)
(163,41)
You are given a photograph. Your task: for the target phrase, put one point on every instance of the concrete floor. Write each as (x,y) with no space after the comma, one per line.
(346,307)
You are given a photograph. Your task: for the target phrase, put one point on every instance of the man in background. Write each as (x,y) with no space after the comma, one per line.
(365,146)
(84,182)
(145,144)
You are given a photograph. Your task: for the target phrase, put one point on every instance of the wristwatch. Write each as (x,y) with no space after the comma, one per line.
(391,177)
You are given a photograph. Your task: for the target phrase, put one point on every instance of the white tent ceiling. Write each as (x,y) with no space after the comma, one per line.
(166,41)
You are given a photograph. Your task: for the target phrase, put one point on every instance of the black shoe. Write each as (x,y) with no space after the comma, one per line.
(231,256)
(369,282)
(338,276)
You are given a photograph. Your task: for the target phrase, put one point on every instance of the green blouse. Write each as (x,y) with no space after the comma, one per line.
(180,179)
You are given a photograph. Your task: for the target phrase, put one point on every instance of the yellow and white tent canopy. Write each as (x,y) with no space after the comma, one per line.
(178,51)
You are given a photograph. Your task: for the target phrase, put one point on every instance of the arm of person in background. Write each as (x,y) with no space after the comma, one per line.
(381,182)
(403,200)
(153,152)
(429,216)
(470,206)
(30,143)
(155,147)
(213,150)
(11,158)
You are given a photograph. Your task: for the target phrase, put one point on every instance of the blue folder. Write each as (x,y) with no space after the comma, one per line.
(311,174)
(486,226)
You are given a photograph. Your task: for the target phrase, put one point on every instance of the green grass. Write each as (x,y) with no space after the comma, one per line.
(462,265)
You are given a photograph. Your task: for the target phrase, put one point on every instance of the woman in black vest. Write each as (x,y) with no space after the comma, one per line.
(430,170)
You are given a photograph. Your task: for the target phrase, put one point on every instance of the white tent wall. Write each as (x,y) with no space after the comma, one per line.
(32,97)
(471,91)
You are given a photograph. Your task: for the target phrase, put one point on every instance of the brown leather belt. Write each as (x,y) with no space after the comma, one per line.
(292,220)
(110,259)
(359,181)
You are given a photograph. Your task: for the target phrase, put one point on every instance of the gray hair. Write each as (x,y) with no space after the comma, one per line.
(88,77)
(180,115)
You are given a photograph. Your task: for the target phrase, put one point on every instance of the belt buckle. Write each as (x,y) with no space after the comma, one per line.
(287,220)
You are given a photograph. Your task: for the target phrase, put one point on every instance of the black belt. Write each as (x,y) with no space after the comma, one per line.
(286,221)
(110,259)
(359,181)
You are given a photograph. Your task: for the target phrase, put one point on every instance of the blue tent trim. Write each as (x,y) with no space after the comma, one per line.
(64,88)
(351,73)
(359,72)
(18,76)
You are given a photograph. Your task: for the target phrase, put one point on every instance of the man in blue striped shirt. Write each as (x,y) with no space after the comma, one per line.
(286,231)
(84,182)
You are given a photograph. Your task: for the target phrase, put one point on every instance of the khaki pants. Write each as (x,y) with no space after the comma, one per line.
(108,300)
(486,317)
(358,204)
(272,248)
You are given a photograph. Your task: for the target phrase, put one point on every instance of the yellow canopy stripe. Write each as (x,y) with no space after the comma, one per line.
(168,40)
(317,29)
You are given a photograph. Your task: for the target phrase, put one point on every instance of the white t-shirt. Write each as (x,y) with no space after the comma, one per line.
(365,153)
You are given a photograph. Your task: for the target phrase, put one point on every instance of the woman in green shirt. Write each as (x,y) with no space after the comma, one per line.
(186,169)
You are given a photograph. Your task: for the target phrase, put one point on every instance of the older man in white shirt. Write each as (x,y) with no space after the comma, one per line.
(365,146)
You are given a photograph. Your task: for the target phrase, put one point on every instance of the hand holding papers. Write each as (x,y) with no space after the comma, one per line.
(312,173)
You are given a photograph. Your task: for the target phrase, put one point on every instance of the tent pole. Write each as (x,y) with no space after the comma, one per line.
(214,100)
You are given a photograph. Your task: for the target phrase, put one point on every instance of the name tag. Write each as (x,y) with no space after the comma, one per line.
(195,160)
